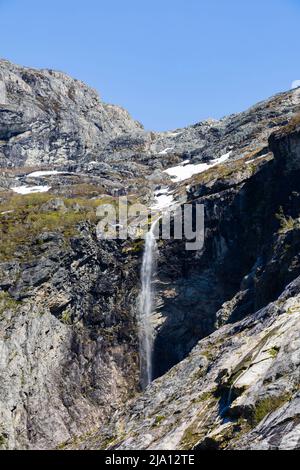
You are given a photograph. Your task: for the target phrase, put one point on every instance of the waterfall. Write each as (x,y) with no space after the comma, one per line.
(145,307)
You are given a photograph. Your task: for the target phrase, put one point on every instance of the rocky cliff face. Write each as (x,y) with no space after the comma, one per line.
(68,341)
(239,386)
(47,117)
(227,317)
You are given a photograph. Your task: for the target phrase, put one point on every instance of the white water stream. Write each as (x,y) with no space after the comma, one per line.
(164,200)
(146,307)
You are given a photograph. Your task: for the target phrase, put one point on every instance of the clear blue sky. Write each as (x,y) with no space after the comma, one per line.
(169,62)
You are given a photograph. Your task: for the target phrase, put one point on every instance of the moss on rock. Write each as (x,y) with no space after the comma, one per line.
(266,406)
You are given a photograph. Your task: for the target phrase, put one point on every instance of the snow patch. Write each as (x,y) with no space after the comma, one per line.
(158,192)
(185,162)
(295,84)
(165,151)
(30,189)
(37,174)
(173,134)
(257,158)
(181,173)
(162,199)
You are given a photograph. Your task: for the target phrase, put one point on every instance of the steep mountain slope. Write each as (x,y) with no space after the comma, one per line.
(239,387)
(226,317)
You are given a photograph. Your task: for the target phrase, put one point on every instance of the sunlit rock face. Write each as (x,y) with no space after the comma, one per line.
(56,119)
(224,318)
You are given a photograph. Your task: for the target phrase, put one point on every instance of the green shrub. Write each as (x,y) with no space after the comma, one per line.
(274,351)
(286,223)
(66,317)
(159,419)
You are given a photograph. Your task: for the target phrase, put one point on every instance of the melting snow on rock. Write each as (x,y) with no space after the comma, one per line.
(182,172)
(37,174)
(30,189)
(165,151)
(163,199)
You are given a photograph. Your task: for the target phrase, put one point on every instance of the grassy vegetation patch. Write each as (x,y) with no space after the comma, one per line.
(84,190)
(23,218)
(293,309)
(7,303)
(274,351)
(3,440)
(135,247)
(207,396)
(266,406)
(228,170)
(293,124)
(190,438)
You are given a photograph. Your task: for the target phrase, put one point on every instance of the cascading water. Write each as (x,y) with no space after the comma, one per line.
(163,202)
(146,332)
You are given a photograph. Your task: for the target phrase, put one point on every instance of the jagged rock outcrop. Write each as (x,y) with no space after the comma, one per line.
(226,317)
(50,118)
